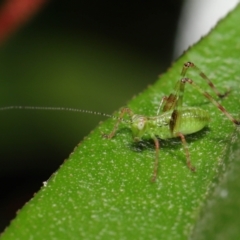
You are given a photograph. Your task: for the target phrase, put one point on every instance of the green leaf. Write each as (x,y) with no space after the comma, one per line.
(103,191)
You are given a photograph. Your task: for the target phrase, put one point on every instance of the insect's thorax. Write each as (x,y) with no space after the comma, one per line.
(167,125)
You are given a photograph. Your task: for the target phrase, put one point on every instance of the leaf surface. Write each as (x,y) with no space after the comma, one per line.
(103,191)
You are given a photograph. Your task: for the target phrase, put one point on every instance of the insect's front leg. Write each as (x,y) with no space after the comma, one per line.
(119,119)
(162,103)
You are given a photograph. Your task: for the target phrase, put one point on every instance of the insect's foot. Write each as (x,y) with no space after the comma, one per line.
(107,136)
(153,179)
(224,94)
(237,122)
(104,135)
(192,168)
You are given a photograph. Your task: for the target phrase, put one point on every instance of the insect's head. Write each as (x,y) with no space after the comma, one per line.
(139,125)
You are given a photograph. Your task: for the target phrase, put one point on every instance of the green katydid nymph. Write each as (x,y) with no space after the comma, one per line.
(173,120)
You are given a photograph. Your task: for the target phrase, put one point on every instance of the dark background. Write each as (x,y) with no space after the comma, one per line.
(86,54)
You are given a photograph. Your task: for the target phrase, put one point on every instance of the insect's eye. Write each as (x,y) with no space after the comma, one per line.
(141,124)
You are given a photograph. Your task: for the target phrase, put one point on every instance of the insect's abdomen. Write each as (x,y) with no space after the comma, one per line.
(191,120)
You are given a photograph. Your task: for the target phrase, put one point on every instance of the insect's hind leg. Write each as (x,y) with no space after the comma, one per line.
(188,65)
(212,100)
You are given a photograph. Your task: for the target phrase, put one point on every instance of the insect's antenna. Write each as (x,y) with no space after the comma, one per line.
(63,109)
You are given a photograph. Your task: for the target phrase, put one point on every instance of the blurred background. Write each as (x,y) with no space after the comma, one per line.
(93,55)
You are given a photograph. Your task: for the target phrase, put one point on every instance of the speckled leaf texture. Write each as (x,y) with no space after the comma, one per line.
(103,191)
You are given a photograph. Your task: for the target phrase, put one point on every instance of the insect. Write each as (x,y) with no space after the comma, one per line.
(173,120)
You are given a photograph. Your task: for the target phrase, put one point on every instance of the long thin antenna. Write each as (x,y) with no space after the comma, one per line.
(62,109)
